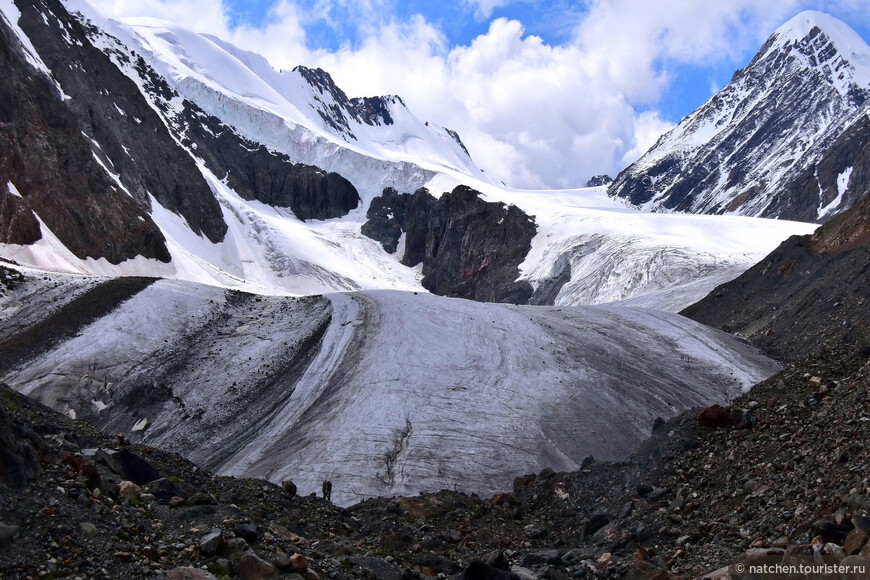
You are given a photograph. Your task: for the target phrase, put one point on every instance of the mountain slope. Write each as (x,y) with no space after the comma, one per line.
(772,142)
(808,294)
(381,392)
(40,141)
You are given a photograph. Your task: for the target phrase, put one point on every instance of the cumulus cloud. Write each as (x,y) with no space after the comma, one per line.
(532,113)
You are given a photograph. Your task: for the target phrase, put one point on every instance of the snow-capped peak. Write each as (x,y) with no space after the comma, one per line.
(821,41)
(768,144)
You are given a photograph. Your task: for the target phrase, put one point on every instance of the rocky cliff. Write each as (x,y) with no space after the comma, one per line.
(47,166)
(469,248)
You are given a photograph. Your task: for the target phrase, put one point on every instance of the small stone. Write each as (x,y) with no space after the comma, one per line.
(176,502)
(199,499)
(497,559)
(251,567)
(657,493)
(212,542)
(129,490)
(534,532)
(282,561)
(605,558)
(855,541)
(714,417)
(150,553)
(644,489)
(855,568)
(236,548)
(88,529)
(595,523)
(815,382)
(224,565)
(298,563)
(504,499)
(247,532)
(834,551)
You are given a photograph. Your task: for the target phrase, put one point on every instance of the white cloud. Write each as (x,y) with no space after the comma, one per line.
(648,127)
(483,9)
(531,113)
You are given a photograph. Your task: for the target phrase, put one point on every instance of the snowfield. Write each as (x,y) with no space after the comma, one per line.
(381,392)
(614,252)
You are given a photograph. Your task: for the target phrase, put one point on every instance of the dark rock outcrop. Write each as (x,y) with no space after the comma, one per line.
(809,293)
(800,198)
(599,180)
(251,169)
(337,108)
(51,165)
(469,248)
(20,449)
(127,134)
(255,172)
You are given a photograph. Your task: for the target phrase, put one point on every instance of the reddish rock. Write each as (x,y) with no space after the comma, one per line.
(714,417)
(251,567)
(504,499)
(855,541)
(299,563)
(523,482)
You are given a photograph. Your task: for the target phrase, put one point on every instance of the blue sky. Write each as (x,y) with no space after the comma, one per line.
(543,93)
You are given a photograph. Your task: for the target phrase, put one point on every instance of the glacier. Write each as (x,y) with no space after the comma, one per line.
(381,392)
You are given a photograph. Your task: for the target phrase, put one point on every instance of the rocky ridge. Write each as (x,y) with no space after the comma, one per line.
(40,138)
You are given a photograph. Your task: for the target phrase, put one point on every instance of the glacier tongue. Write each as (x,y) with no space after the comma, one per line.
(382,392)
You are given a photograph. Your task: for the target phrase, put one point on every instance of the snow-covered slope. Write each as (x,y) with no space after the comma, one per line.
(765,145)
(375,142)
(382,393)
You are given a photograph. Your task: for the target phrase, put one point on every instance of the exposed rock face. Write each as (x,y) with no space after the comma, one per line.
(810,293)
(787,138)
(369,110)
(257,173)
(599,180)
(469,248)
(128,135)
(455,136)
(52,169)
